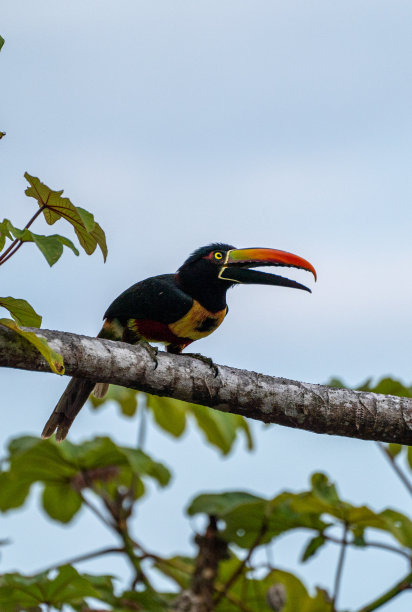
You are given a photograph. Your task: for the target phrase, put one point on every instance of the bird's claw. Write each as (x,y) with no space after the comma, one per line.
(152,350)
(207,360)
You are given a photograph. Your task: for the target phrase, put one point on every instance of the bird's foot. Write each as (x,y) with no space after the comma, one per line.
(152,350)
(207,360)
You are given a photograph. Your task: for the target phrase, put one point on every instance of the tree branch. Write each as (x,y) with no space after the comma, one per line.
(306,406)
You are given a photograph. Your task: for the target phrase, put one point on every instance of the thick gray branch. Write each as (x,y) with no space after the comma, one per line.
(273,400)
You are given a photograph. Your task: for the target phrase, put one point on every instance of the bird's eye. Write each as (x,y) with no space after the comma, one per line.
(218,255)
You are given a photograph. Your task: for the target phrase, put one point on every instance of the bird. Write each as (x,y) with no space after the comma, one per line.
(176,310)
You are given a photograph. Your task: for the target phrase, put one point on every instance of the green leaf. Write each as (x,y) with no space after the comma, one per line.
(66,469)
(312,547)
(399,525)
(87,218)
(125,398)
(246,515)
(323,489)
(89,233)
(220,428)
(390,386)
(50,246)
(2,135)
(54,360)
(143,465)
(394,449)
(21,311)
(180,569)
(5,232)
(169,414)
(2,41)
(220,504)
(18,592)
(61,502)
(14,491)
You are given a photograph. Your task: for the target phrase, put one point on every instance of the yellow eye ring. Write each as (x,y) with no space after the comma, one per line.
(218,255)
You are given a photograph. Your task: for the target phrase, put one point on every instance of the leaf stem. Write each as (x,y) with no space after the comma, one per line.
(339,569)
(372,544)
(238,571)
(97,512)
(16,244)
(86,557)
(396,467)
(399,587)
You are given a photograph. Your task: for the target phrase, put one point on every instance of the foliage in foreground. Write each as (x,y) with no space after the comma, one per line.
(108,480)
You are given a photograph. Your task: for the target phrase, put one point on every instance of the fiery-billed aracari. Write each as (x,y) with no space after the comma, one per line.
(176,309)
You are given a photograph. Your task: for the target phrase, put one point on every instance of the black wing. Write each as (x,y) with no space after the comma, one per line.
(155,299)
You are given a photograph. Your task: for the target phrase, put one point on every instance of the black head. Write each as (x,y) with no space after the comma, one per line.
(209,272)
(199,275)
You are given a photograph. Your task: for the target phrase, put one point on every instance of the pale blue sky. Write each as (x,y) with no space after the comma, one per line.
(264,123)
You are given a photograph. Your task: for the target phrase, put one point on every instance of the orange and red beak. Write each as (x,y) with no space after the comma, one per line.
(237,264)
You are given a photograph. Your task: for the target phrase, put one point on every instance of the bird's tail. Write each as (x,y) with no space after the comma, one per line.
(67,408)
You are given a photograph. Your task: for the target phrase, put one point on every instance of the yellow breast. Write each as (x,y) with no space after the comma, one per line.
(198,322)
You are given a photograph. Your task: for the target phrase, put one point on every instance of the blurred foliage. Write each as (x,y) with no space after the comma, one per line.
(66,470)
(221,429)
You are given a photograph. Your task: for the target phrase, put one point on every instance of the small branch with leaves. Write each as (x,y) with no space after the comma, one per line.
(53,207)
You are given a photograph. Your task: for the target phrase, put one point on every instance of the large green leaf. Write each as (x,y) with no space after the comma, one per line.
(21,311)
(13,491)
(18,592)
(89,233)
(2,41)
(54,360)
(169,414)
(254,594)
(220,504)
(65,469)
(61,501)
(249,519)
(179,569)
(219,427)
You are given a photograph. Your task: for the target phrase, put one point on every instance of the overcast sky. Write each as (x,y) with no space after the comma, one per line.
(265,123)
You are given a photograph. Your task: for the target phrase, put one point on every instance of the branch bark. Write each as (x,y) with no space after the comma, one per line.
(316,408)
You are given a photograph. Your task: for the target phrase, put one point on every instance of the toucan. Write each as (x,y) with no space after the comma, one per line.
(176,309)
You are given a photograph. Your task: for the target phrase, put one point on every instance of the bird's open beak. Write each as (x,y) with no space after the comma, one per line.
(238,261)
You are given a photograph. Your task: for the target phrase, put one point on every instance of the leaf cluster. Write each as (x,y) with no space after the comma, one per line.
(172,416)
(54,207)
(67,470)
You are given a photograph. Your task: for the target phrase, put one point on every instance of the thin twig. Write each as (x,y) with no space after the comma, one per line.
(81,558)
(397,589)
(141,434)
(339,569)
(16,242)
(135,561)
(372,544)
(4,259)
(96,511)
(238,571)
(396,467)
